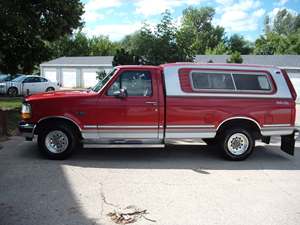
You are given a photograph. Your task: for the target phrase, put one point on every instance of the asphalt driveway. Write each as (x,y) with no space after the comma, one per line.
(179,186)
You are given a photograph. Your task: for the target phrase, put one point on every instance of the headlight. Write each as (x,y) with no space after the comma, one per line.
(26,111)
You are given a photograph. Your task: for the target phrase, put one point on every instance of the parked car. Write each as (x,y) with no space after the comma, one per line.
(8,77)
(23,85)
(227,105)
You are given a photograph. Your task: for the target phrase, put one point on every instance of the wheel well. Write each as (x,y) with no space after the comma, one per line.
(13,87)
(52,121)
(240,123)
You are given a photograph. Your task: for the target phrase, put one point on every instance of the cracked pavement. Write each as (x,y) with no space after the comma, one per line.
(188,185)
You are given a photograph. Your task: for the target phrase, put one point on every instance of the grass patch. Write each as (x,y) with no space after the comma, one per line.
(10,103)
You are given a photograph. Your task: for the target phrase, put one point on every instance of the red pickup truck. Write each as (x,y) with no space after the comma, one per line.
(227,105)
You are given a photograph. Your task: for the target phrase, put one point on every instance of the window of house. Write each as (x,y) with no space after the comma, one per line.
(137,83)
(215,81)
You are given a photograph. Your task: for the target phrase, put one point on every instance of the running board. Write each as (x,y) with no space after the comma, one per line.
(123,145)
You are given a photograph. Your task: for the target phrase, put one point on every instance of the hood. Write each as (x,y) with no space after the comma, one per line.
(59,95)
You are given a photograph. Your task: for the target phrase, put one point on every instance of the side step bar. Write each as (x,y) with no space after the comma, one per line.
(86,145)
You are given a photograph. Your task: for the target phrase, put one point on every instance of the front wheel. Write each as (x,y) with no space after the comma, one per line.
(237,144)
(57,141)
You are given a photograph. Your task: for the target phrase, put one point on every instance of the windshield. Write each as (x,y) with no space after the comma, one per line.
(102,82)
(19,79)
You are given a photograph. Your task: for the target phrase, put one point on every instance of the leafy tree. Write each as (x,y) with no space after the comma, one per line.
(197,32)
(70,45)
(124,57)
(158,45)
(101,45)
(285,22)
(220,49)
(27,26)
(235,57)
(237,43)
(101,74)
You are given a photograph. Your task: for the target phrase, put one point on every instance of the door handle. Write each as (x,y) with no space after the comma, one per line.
(151,103)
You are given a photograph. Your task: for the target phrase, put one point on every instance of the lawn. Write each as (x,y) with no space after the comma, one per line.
(7,103)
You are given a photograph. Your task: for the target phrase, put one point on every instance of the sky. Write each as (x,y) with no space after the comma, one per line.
(117,18)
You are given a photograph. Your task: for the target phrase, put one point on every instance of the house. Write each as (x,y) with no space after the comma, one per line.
(76,72)
(291,63)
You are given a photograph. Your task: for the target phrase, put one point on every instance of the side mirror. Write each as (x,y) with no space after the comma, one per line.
(122,93)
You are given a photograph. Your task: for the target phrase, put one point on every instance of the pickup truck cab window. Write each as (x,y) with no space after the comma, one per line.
(136,83)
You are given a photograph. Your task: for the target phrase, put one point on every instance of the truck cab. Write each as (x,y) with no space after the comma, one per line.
(227,105)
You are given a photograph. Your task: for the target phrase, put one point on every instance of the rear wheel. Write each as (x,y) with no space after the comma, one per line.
(50,89)
(58,141)
(12,92)
(237,144)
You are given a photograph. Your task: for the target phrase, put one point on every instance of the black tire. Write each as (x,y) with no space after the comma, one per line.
(237,136)
(210,141)
(69,132)
(50,89)
(12,92)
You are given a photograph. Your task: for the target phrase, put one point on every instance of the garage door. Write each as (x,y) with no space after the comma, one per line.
(295,79)
(50,75)
(69,78)
(89,78)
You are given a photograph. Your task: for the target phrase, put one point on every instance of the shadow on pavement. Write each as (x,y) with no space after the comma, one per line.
(175,157)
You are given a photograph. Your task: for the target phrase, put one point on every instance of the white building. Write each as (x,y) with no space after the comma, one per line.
(76,72)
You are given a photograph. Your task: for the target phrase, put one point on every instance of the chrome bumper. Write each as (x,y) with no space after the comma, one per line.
(27,130)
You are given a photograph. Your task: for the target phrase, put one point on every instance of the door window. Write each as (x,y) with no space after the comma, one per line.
(137,83)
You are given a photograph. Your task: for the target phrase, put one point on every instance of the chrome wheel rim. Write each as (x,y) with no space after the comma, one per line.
(56,141)
(238,144)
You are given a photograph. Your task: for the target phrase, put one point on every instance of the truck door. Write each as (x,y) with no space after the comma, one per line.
(129,108)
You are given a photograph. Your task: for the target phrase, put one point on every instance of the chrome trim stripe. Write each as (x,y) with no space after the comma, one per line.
(190,126)
(90,126)
(123,145)
(269,131)
(277,125)
(127,127)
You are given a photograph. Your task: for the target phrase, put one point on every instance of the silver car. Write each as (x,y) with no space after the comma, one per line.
(24,85)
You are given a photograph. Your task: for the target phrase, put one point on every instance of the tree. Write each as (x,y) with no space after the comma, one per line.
(197,32)
(70,45)
(220,49)
(235,57)
(237,43)
(285,22)
(101,45)
(27,26)
(158,45)
(123,57)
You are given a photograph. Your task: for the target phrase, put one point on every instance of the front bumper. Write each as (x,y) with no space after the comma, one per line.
(27,130)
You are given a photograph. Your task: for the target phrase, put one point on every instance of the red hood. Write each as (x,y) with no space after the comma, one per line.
(59,94)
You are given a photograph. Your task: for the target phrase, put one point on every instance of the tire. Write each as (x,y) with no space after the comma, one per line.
(210,141)
(50,89)
(12,92)
(237,144)
(65,137)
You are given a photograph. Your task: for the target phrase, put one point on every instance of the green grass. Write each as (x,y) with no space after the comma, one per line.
(10,103)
